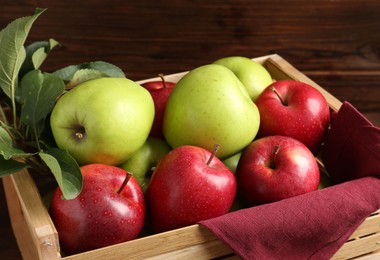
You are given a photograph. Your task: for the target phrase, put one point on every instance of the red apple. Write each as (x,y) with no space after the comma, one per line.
(296,109)
(188,185)
(160,91)
(109,210)
(275,168)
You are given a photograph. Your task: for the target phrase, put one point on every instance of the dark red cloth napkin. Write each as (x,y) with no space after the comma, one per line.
(314,225)
(352,146)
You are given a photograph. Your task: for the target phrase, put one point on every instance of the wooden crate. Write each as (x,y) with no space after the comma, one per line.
(37,236)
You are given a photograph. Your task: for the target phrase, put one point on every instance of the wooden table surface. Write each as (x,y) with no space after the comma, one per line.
(335,43)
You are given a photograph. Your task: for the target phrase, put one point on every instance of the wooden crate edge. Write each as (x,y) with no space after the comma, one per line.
(365,246)
(369,226)
(164,244)
(284,70)
(34,231)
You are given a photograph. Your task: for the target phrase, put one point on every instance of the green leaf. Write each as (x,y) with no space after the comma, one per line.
(7,150)
(105,68)
(12,51)
(41,53)
(65,170)
(53,43)
(7,167)
(36,53)
(83,75)
(38,57)
(39,92)
(5,138)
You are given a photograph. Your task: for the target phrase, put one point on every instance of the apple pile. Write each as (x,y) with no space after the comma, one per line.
(166,155)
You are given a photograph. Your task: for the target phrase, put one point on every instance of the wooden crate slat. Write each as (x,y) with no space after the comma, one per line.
(359,247)
(373,256)
(33,228)
(172,77)
(281,69)
(209,250)
(20,226)
(370,226)
(161,243)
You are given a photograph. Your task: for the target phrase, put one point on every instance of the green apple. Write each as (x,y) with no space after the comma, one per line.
(232,161)
(103,120)
(145,159)
(209,106)
(252,74)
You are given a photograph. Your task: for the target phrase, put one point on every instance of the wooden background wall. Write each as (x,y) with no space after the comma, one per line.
(336,43)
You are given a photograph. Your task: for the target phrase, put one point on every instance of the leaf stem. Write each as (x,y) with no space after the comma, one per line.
(11,131)
(8,129)
(14,134)
(13,100)
(36,136)
(39,167)
(3,118)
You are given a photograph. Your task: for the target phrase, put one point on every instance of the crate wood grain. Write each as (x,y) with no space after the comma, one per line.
(37,236)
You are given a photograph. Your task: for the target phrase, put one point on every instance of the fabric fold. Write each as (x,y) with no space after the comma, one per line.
(310,226)
(314,225)
(352,146)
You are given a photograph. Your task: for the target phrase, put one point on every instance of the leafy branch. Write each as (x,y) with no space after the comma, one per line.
(27,97)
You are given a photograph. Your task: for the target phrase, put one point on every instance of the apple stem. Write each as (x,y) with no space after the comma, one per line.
(79,135)
(213,153)
(163,79)
(278,95)
(125,182)
(275,150)
(274,154)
